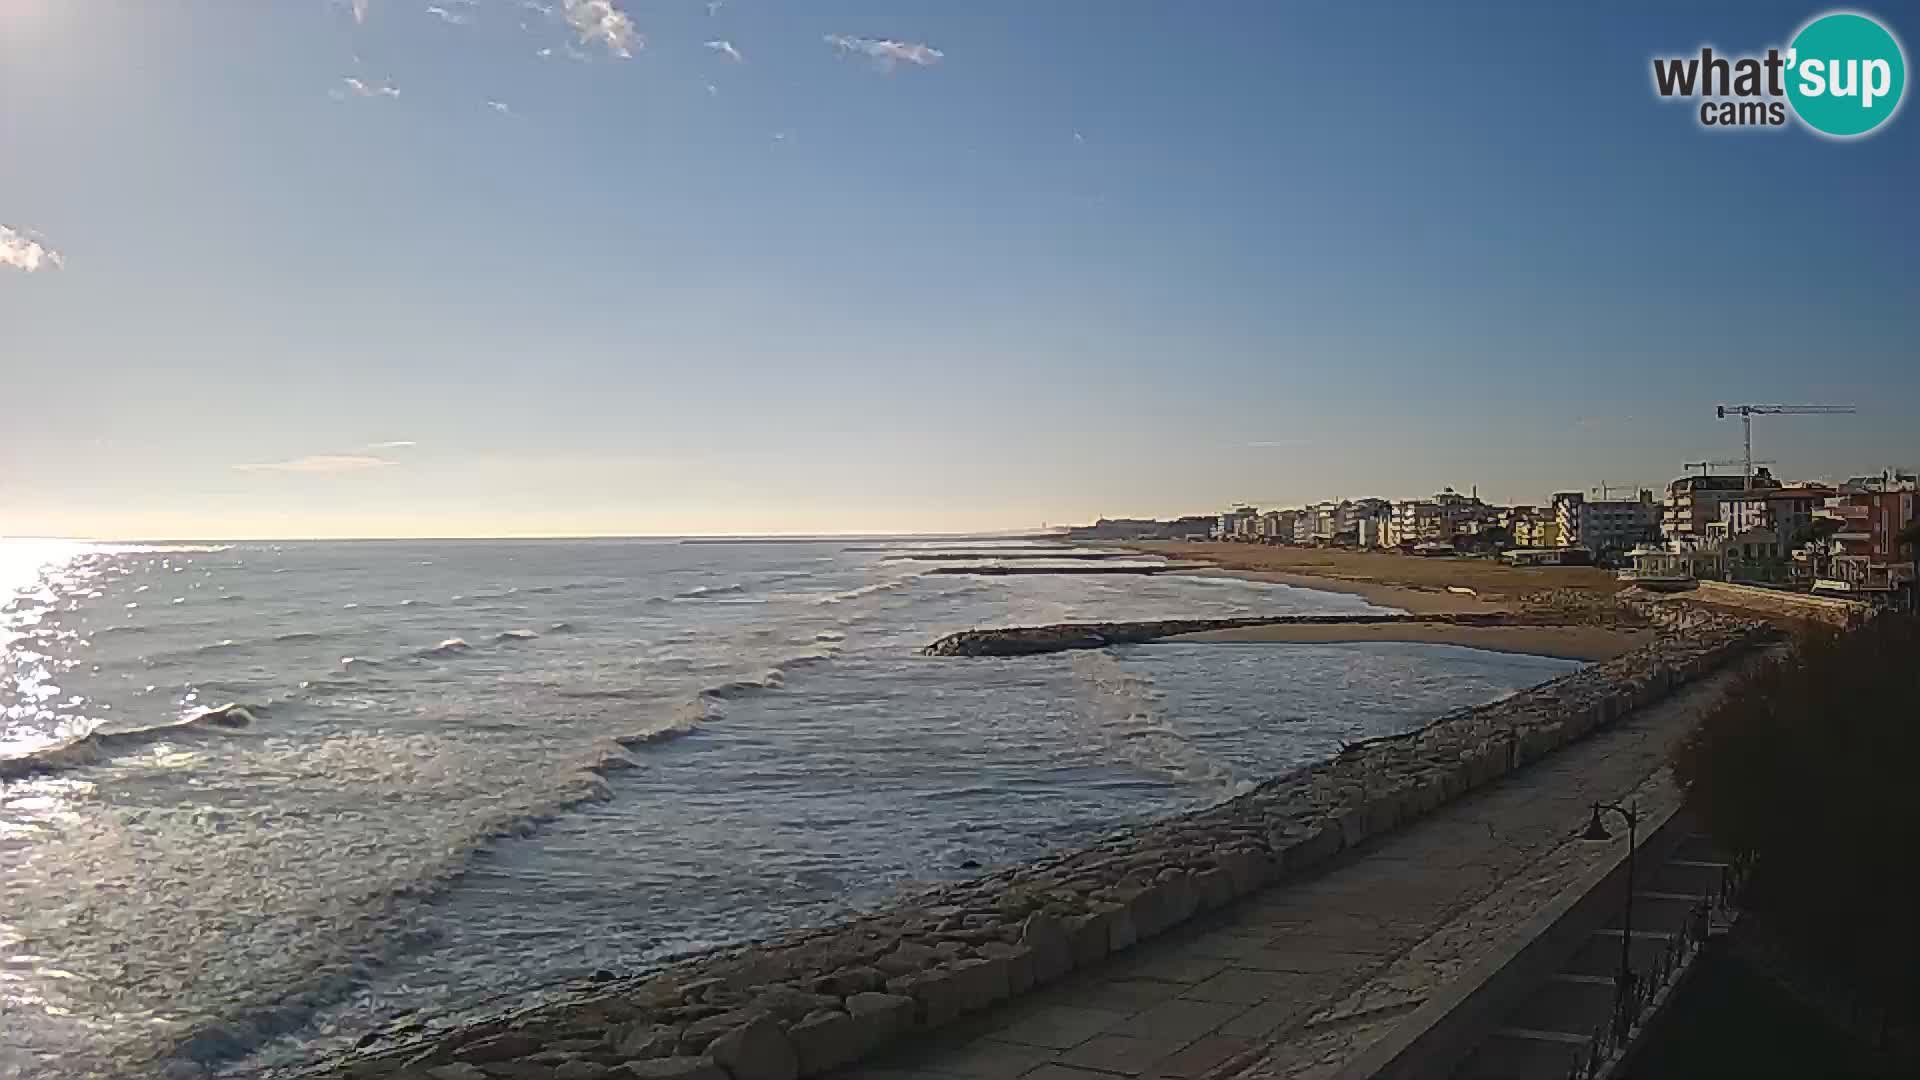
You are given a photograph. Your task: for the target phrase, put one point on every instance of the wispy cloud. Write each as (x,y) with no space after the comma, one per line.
(1275,444)
(362,88)
(321,464)
(454,17)
(393,444)
(535,5)
(714,6)
(357,7)
(601,21)
(887,53)
(503,109)
(726,49)
(23,252)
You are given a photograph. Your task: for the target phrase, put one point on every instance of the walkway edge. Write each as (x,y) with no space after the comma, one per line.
(1437,1038)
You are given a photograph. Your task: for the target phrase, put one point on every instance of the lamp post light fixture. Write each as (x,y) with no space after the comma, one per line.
(1623,980)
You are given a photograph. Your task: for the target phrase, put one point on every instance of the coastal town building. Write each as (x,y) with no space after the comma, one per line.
(1276,526)
(1534,528)
(1692,502)
(1371,521)
(1415,521)
(1867,554)
(1239,523)
(1606,527)
(1787,511)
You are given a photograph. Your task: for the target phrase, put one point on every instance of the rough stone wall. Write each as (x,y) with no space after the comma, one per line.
(813,1001)
(1776,604)
(1058,637)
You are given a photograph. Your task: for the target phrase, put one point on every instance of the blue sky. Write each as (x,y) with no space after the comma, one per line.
(1092,258)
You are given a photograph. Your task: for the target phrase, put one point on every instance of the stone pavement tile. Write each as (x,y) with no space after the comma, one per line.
(1241,936)
(1201,1056)
(1055,1027)
(1263,1019)
(987,1059)
(1053,1070)
(1121,1054)
(1119,994)
(1175,964)
(877,1073)
(1239,986)
(1181,1021)
(1310,957)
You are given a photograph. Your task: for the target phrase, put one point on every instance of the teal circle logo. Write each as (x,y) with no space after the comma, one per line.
(1845,74)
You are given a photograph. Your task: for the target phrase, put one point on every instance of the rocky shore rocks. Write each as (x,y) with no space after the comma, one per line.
(1033,640)
(810,1002)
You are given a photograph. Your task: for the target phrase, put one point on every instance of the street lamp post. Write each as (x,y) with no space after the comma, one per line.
(1623,980)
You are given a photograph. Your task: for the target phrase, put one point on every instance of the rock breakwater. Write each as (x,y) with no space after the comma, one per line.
(1059,637)
(813,1001)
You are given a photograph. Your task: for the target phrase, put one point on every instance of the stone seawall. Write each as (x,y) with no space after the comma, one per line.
(814,1001)
(1059,637)
(1779,604)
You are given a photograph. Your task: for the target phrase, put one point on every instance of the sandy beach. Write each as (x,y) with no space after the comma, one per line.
(1562,642)
(1421,586)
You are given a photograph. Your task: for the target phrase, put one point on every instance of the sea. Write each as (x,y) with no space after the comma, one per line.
(458,775)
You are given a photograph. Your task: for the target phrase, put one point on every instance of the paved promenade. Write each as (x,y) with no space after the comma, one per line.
(1293,981)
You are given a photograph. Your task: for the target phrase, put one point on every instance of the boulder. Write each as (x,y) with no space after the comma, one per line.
(503,1047)
(756,1050)
(673,1068)
(1052,952)
(1088,934)
(825,1042)
(1019,961)
(642,1040)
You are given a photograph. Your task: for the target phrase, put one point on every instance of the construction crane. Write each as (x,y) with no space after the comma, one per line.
(1604,490)
(1703,466)
(1746,413)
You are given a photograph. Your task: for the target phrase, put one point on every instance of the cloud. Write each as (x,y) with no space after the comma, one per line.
(321,464)
(394,444)
(362,88)
(534,5)
(887,53)
(601,21)
(503,109)
(446,16)
(725,48)
(22,252)
(357,7)
(1274,444)
(714,6)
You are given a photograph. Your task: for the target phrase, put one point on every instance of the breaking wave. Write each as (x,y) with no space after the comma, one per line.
(96,747)
(704,591)
(450,647)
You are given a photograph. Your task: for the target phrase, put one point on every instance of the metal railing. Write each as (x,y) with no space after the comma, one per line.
(1638,994)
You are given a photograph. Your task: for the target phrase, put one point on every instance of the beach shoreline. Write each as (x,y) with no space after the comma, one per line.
(1561,642)
(1420,586)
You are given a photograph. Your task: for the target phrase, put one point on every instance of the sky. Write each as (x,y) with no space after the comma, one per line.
(320,268)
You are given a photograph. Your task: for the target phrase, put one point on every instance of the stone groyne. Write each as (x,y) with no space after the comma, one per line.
(1059,637)
(810,1002)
